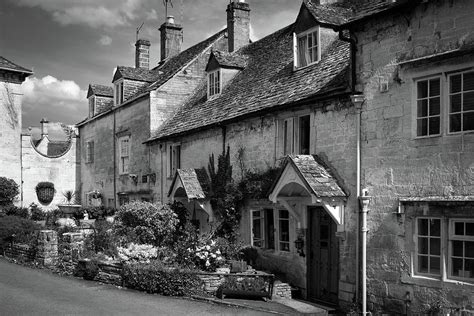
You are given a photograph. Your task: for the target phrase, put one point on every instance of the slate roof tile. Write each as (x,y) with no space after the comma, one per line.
(191,183)
(226,59)
(268,81)
(57,148)
(6,64)
(100,90)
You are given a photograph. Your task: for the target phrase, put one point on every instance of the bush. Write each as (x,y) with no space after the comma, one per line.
(23,230)
(52,217)
(156,278)
(37,214)
(145,223)
(102,240)
(91,270)
(137,253)
(16,211)
(8,191)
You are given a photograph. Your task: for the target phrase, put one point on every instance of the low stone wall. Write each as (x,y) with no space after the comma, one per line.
(211,281)
(281,290)
(70,251)
(47,248)
(110,273)
(21,252)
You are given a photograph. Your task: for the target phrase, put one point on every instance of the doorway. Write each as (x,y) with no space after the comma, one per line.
(323,257)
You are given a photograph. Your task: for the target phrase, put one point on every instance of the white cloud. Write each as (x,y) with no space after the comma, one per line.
(58,100)
(94,13)
(105,40)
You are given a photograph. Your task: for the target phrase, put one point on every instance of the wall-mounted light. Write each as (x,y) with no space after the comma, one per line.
(299,245)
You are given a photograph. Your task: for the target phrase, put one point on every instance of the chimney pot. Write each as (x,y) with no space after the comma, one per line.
(44,127)
(170,19)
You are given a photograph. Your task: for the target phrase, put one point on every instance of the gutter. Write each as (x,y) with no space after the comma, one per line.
(327,95)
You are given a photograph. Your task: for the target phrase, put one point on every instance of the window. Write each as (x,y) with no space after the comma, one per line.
(144,178)
(258,228)
(296,135)
(89,152)
(119,92)
(214,83)
(284,230)
(123,199)
(174,159)
(461,257)
(461,102)
(124,154)
(428,254)
(428,118)
(307,48)
(92,106)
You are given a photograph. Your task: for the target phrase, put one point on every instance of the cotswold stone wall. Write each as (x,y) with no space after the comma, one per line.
(395,163)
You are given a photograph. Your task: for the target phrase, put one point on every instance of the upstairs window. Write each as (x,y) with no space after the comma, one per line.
(307,50)
(214,83)
(174,159)
(90,152)
(119,93)
(461,102)
(428,118)
(92,106)
(124,154)
(296,133)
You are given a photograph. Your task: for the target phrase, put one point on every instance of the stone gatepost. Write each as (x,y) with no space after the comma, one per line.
(71,250)
(47,251)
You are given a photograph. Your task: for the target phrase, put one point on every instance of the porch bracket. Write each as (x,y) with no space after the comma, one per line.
(336,210)
(207,207)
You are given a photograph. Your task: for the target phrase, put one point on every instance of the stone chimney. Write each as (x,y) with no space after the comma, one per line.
(142,54)
(44,127)
(238,24)
(171,38)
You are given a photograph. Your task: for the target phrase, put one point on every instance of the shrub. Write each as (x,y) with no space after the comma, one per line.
(8,191)
(52,217)
(137,253)
(102,240)
(145,223)
(37,214)
(91,269)
(156,278)
(207,256)
(16,211)
(22,230)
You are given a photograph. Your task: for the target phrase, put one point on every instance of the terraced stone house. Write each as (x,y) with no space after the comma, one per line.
(365,105)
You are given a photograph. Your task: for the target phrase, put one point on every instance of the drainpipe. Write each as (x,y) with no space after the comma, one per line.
(115,161)
(364,203)
(162,174)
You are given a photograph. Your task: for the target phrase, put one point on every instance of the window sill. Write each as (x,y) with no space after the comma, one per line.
(432,281)
(304,67)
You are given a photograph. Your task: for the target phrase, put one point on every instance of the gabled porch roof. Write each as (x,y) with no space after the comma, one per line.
(187,179)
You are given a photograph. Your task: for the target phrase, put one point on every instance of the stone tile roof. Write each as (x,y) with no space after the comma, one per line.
(317,174)
(267,82)
(6,64)
(226,59)
(100,90)
(56,148)
(132,73)
(191,183)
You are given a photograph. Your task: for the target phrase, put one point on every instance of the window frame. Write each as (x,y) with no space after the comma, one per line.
(92,106)
(90,151)
(212,90)
(122,164)
(279,231)
(417,253)
(173,162)
(294,135)
(453,237)
(448,100)
(119,92)
(441,106)
(296,50)
(263,230)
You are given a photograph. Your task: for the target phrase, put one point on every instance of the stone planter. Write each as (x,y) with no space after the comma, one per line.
(69,209)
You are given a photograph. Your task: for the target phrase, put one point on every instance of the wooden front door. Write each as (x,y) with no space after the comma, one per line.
(323,256)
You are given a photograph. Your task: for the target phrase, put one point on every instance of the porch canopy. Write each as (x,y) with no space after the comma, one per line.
(187,187)
(308,179)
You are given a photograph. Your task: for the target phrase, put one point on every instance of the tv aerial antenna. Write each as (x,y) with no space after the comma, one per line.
(139,29)
(166,3)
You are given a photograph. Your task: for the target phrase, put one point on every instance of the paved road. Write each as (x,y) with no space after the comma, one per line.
(25,291)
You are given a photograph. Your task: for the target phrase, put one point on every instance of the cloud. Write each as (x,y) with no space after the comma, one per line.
(58,100)
(105,40)
(93,13)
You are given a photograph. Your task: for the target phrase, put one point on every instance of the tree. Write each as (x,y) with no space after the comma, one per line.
(8,191)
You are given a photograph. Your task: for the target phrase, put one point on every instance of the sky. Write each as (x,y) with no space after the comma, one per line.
(71,43)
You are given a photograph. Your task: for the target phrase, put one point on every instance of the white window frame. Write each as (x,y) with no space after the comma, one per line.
(280,241)
(428,116)
(296,49)
(291,134)
(417,252)
(92,106)
(462,92)
(174,159)
(90,151)
(454,237)
(212,89)
(119,92)
(124,154)
(258,242)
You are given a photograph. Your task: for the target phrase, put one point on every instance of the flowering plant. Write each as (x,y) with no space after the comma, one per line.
(137,253)
(207,256)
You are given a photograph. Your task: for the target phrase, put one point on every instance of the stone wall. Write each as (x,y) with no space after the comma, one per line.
(396,163)
(22,252)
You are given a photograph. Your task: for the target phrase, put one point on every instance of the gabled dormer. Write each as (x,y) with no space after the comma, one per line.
(100,99)
(221,68)
(128,81)
(313,31)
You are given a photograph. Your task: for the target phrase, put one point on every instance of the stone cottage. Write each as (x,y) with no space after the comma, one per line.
(365,106)
(11,78)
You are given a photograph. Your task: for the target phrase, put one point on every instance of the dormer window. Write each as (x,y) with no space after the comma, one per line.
(118,87)
(214,83)
(307,50)
(92,110)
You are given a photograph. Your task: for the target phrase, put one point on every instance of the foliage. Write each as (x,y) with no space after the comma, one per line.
(181,213)
(95,212)
(207,256)
(256,185)
(17,229)
(8,191)
(102,240)
(249,254)
(154,277)
(69,196)
(145,223)
(16,211)
(91,269)
(45,191)
(230,249)
(137,253)
(37,214)
(52,217)
(246,284)
(186,238)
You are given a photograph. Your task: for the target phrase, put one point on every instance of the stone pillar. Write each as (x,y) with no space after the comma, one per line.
(71,250)
(47,253)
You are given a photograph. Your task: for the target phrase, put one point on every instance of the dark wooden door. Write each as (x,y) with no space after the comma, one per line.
(323,257)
